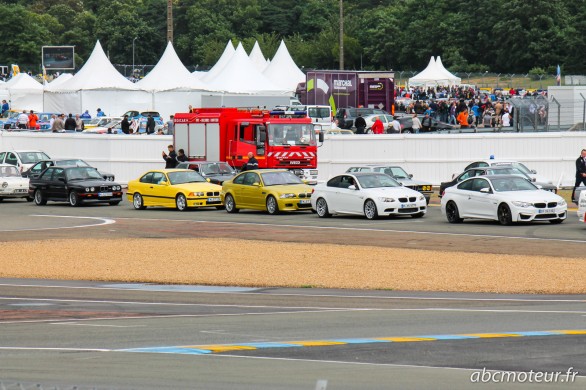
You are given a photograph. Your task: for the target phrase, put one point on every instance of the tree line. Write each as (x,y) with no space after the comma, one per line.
(508,36)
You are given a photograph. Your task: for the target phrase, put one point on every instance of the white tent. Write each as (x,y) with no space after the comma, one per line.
(283,71)
(58,81)
(169,83)
(24,92)
(240,75)
(97,84)
(222,61)
(432,75)
(257,57)
(441,68)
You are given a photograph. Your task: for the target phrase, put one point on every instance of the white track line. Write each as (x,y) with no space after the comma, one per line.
(360,229)
(302,295)
(105,221)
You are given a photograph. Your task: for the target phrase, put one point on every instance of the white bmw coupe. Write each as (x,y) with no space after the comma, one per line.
(369,194)
(505,198)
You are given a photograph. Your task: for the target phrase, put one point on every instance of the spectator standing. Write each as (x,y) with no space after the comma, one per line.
(506,119)
(463,119)
(580,172)
(251,164)
(5,106)
(79,125)
(171,158)
(377,126)
(498,112)
(32,120)
(125,125)
(70,123)
(58,124)
(396,125)
(51,121)
(452,113)
(86,115)
(150,125)
(22,120)
(100,113)
(360,124)
(134,126)
(416,126)
(477,115)
(181,157)
(171,127)
(426,123)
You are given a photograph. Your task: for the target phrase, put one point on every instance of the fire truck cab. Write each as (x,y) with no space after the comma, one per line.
(229,134)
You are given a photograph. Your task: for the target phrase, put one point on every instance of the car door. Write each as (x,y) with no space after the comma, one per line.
(482,204)
(462,198)
(57,188)
(157,191)
(348,199)
(252,192)
(142,187)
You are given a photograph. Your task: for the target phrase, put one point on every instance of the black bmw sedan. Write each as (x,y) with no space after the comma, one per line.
(76,185)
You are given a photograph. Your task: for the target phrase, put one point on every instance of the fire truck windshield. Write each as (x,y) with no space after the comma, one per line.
(291,134)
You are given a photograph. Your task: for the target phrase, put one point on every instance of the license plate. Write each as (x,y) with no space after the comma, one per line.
(20,191)
(408,205)
(210,200)
(546,211)
(305,201)
(101,194)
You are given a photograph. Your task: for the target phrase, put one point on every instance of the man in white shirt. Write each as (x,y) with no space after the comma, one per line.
(396,125)
(23,120)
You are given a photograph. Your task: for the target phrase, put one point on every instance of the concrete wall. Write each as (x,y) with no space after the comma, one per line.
(432,157)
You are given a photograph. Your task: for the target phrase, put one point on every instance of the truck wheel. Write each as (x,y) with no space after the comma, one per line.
(229,204)
(272,205)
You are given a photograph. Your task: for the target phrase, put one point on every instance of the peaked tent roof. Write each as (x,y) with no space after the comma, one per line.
(257,58)
(23,82)
(97,73)
(170,74)
(241,76)
(58,81)
(432,75)
(283,71)
(222,61)
(440,66)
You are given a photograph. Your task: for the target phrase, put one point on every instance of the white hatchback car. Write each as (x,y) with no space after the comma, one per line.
(370,194)
(12,184)
(504,198)
(22,159)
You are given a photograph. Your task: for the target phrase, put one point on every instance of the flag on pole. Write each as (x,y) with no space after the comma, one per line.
(558,77)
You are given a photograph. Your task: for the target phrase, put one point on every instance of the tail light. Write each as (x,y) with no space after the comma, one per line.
(312,190)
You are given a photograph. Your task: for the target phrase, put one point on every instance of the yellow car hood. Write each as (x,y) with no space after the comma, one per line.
(198,187)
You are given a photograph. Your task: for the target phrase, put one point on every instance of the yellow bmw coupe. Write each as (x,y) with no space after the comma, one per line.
(178,188)
(273,190)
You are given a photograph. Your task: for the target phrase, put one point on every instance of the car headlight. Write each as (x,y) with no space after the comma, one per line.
(4,185)
(196,194)
(521,204)
(287,196)
(562,203)
(87,189)
(92,189)
(387,200)
(421,197)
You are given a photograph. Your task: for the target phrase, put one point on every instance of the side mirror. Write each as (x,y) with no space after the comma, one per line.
(61,179)
(320,137)
(533,171)
(208,180)
(485,190)
(352,187)
(255,184)
(164,183)
(410,176)
(35,176)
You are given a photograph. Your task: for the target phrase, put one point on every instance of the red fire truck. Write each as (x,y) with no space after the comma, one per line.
(228,134)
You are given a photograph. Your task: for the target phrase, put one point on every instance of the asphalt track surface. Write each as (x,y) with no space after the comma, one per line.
(112,335)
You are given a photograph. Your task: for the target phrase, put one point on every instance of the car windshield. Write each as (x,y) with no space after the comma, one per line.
(219,168)
(10,171)
(280,178)
(182,177)
(72,163)
(512,184)
(82,173)
(291,134)
(517,165)
(318,112)
(32,157)
(396,172)
(377,181)
(505,171)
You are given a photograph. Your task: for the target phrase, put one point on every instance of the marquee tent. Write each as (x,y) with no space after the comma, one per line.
(257,57)
(283,71)
(440,66)
(222,61)
(24,92)
(433,75)
(58,81)
(97,84)
(169,83)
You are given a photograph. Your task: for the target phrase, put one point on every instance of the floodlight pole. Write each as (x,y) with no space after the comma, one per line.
(132,72)
(341,35)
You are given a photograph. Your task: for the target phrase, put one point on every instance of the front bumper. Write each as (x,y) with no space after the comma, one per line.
(400,208)
(534,214)
(207,201)
(294,204)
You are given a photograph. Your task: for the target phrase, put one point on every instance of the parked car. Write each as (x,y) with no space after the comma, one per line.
(400,175)
(436,125)
(504,198)
(12,185)
(76,185)
(495,170)
(369,194)
(115,126)
(216,171)
(133,114)
(346,115)
(22,159)
(9,119)
(101,121)
(44,121)
(273,190)
(499,162)
(177,188)
(385,119)
(72,162)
